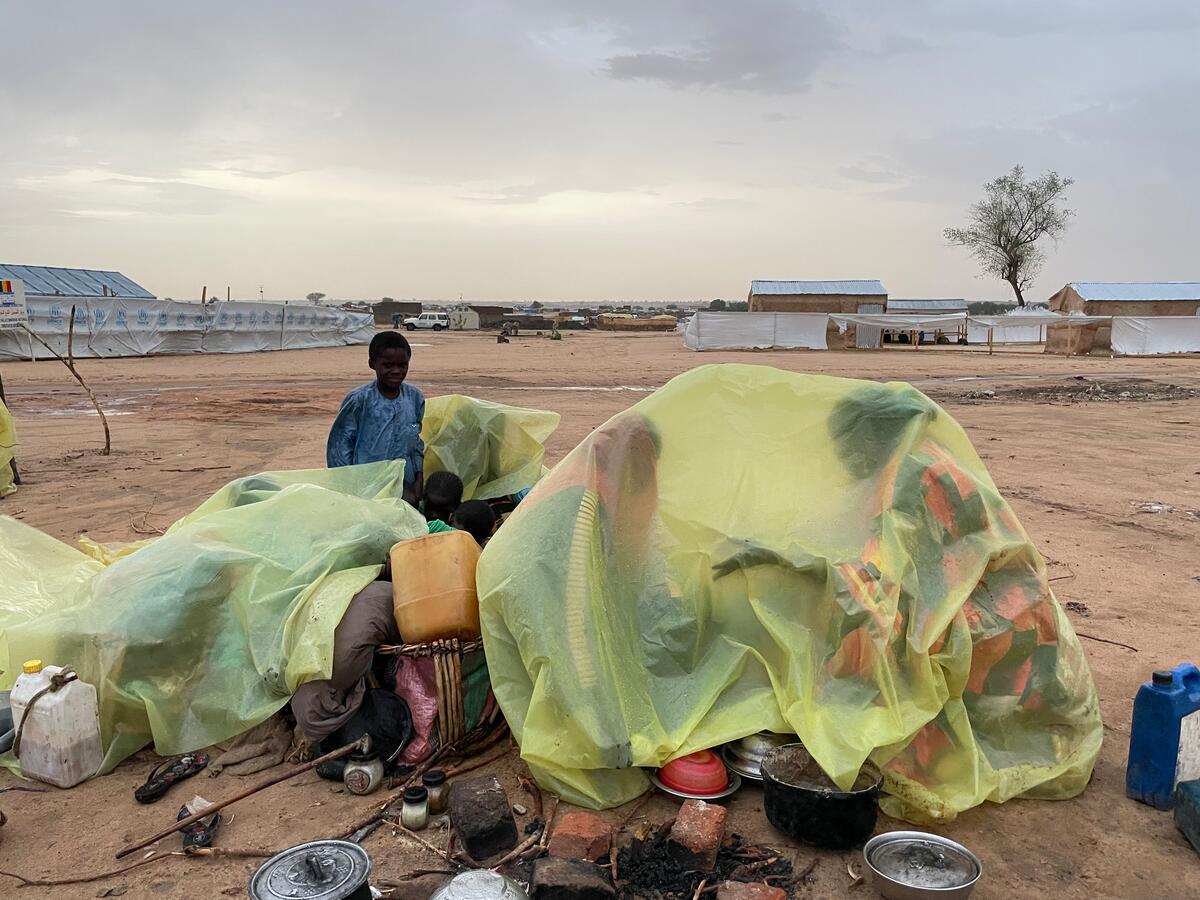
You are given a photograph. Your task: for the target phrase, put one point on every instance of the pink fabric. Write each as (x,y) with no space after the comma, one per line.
(416,684)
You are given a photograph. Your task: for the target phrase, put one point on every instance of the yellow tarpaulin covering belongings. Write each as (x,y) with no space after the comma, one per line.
(208,630)
(8,449)
(495,449)
(751,549)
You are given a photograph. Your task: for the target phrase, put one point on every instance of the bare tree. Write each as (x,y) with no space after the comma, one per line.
(1005,227)
(314,297)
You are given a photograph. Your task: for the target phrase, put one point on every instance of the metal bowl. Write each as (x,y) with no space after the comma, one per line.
(915,865)
(754,747)
(747,768)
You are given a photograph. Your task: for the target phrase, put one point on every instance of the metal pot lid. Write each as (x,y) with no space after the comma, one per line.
(747,768)
(754,747)
(480,884)
(318,870)
(922,860)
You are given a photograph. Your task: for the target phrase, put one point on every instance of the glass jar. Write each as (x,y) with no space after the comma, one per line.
(439,792)
(414,815)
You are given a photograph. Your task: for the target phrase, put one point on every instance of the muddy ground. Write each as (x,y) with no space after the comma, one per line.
(1098,457)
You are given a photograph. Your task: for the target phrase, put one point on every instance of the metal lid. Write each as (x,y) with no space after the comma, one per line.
(480,884)
(922,860)
(328,870)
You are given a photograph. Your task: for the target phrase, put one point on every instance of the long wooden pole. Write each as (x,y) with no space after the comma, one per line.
(208,811)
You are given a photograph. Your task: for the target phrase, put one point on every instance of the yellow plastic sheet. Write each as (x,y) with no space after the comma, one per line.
(208,630)
(751,549)
(495,449)
(8,448)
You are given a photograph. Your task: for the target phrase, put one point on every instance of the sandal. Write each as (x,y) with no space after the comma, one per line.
(167,773)
(200,834)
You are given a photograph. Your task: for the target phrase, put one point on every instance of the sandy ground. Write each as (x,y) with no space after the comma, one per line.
(1075,472)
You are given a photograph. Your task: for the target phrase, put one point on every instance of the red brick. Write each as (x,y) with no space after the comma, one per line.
(696,835)
(736,890)
(581,835)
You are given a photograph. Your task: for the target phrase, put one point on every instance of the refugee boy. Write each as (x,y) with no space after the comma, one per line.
(382,420)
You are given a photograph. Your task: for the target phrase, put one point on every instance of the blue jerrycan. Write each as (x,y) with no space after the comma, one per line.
(1164,742)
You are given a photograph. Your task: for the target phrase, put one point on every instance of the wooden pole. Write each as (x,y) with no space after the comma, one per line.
(204,295)
(266,783)
(989,340)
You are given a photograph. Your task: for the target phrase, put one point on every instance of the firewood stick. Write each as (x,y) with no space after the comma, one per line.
(250,791)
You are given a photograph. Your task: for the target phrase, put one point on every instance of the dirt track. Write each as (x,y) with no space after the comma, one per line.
(1080,465)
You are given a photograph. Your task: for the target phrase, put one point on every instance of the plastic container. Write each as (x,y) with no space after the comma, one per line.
(701,772)
(414,814)
(433,587)
(1164,742)
(60,744)
(434,782)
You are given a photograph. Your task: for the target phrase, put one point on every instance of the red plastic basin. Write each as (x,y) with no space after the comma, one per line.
(701,772)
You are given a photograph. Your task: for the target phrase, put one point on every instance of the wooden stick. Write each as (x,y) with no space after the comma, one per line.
(518,850)
(112,873)
(266,783)
(71,368)
(1092,637)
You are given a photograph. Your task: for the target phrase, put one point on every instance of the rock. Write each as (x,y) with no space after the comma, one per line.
(481,817)
(519,809)
(696,835)
(581,835)
(736,890)
(569,879)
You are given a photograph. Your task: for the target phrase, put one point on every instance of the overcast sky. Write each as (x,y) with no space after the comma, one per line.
(558,149)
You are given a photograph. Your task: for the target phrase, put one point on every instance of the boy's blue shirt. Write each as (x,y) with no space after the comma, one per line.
(369,427)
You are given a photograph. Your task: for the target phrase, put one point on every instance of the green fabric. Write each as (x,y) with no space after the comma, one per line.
(437,526)
(208,630)
(8,448)
(749,549)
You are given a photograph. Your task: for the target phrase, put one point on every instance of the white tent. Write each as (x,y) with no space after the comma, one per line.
(1152,335)
(756,331)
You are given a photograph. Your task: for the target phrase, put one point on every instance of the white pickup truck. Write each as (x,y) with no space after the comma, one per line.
(435,320)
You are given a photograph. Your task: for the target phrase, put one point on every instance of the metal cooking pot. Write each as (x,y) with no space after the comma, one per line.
(480,884)
(318,870)
(800,800)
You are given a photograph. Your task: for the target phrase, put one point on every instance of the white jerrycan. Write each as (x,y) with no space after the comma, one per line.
(60,741)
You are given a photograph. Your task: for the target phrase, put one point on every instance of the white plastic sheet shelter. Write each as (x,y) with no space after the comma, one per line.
(889,322)
(1154,335)
(1016,327)
(756,331)
(114,327)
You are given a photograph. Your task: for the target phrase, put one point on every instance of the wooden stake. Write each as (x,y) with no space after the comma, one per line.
(266,783)
(69,362)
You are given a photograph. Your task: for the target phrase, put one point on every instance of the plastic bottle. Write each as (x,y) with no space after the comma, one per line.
(60,742)
(433,587)
(1164,742)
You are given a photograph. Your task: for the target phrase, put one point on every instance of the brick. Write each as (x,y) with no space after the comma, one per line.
(581,835)
(696,835)
(736,890)
(482,817)
(569,879)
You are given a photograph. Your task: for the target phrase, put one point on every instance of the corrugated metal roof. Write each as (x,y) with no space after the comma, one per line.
(899,305)
(870,286)
(1137,290)
(51,281)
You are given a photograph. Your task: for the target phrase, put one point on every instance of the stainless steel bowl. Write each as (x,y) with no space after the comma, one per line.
(754,747)
(915,865)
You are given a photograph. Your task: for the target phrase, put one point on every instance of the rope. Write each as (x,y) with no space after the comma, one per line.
(57,682)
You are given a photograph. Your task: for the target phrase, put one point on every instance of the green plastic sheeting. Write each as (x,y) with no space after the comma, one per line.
(206,631)
(495,449)
(750,549)
(8,447)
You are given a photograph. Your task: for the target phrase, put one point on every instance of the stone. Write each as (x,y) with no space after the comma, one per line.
(737,890)
(696,835)
(581,835)
(482,817)
(569,879)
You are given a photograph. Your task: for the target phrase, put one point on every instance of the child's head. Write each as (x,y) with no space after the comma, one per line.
(443,494)
(389,355)
(476,518)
